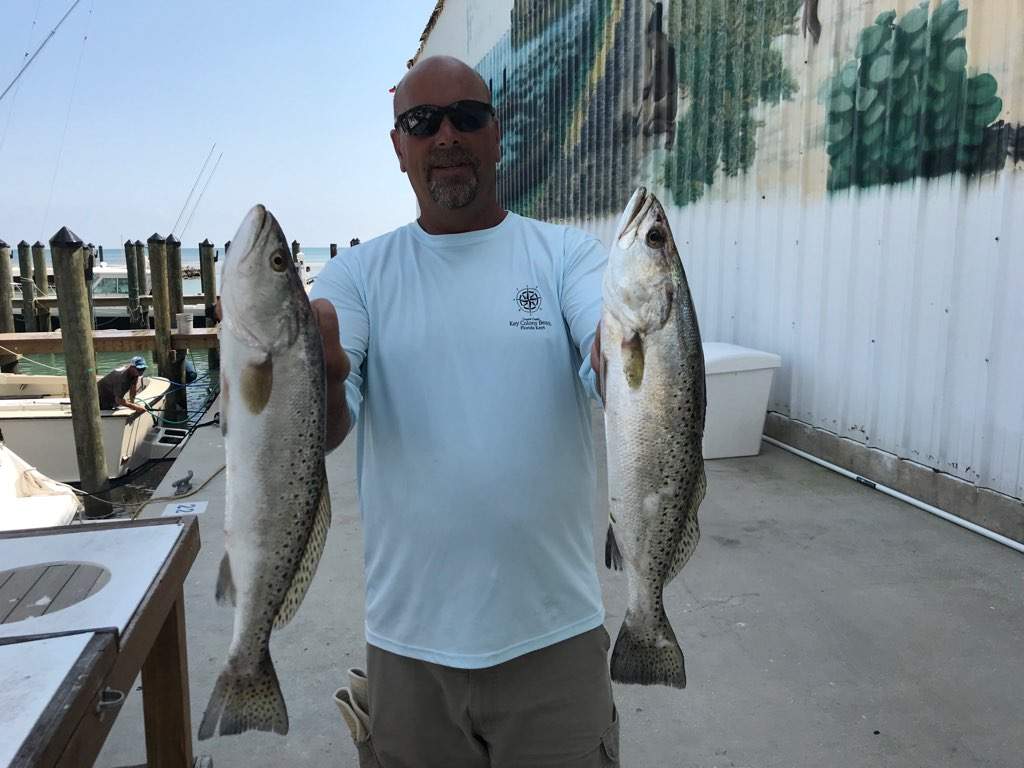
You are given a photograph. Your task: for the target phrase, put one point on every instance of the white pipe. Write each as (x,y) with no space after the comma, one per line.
(901,496)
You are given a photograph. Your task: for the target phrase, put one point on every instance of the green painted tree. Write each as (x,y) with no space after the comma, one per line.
(727,66)
(904,106)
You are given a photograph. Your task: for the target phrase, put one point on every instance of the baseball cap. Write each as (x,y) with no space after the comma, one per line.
(139,362)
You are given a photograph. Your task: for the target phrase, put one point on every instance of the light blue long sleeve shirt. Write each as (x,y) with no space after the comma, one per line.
(470,390)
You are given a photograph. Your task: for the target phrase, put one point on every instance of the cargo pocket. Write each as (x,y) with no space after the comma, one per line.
(610,742)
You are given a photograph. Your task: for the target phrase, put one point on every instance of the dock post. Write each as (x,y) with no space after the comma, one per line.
(295,250)
(167,363)
(90,264)
(134,310)
(76,334)
(161,306)
(7,362)
(334,250)
(144,289)
(140,261)
(42,285)
(174,287)
(209,272)
(28,292)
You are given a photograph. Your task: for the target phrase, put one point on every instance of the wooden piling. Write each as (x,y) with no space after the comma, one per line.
(42,286)
(90,264)
(161,304)
(79,356)
(134,307)
(7,362)
(334,250)
(295,250)
(140,261)
(170,363)
(174,288)
(28,292)
(209,272)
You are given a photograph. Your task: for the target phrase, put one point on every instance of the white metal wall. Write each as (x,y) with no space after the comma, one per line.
(896,307)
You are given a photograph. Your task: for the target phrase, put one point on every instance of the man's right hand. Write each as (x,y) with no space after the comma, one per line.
(336,368)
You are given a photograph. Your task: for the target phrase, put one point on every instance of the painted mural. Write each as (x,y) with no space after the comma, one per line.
(597,95)
(905,106)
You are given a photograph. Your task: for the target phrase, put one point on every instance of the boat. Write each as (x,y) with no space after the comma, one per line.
(30,499)
(35,418)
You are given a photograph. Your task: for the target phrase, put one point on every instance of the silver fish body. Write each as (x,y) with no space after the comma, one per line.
(653,376)
(277,510)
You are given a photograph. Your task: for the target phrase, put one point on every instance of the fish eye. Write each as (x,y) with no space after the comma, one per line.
(277,262)
(655,237)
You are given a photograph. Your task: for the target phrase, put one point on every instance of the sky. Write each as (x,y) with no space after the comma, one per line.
(118,112)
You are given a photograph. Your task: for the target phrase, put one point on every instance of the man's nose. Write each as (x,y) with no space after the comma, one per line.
(447,133)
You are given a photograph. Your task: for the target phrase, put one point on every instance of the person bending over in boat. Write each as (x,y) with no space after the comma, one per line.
(122,381)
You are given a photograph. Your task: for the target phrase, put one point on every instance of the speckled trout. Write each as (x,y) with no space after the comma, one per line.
(277,507)
(653,374)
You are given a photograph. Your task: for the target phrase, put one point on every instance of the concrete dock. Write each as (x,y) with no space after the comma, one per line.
(824,624)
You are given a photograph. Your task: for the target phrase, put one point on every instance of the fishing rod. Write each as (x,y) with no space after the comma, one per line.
(41,46)
(193,190)
(199,199)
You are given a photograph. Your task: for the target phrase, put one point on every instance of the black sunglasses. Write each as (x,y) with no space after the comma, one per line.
(425,120)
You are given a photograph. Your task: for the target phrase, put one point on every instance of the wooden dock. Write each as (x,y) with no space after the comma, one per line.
(108,341)
(50,302)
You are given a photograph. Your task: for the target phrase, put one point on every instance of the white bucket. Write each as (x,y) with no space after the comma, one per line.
(184,322)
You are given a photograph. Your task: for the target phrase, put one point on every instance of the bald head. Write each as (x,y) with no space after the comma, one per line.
(439,80)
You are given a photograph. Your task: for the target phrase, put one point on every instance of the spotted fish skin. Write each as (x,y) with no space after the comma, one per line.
(653,382)
(277,510)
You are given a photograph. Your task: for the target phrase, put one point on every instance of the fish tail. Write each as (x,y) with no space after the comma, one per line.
(612,553)
(646,654)
(246,702)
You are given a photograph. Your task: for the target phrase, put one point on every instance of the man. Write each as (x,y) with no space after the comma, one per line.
(120,382)
(468,379)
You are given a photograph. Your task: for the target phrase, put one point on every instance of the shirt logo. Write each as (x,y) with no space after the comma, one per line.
(528,299)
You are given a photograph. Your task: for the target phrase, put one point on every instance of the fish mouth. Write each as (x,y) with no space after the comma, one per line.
(637,207)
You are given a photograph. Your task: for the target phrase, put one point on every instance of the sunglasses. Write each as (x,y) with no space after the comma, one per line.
(467,116)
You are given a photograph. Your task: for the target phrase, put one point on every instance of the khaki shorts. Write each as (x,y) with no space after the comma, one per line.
(550,708)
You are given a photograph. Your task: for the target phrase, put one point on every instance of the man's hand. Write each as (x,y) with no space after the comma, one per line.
(596,362)
(336,368)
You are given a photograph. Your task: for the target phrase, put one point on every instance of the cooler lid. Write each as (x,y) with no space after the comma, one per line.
(730,358)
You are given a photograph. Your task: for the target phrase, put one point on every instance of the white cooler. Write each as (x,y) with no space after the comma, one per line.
(738,383)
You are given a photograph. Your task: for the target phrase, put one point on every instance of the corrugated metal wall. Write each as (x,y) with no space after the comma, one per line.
(853,204)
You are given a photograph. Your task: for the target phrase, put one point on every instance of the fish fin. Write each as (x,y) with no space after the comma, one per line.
(612,553)
(225,593)
(310,559)
(246,702)
(257,383)
(691,529)
(633,360)
(648,655)
(224,405)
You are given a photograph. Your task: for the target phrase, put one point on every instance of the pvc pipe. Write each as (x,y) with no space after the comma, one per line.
(901,496)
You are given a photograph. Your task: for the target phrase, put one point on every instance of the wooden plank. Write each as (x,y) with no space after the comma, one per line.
(78,695)
(138,638)
(49,584)
(109,341)
(16,587)
(165,699)
(192,300)
(81,584)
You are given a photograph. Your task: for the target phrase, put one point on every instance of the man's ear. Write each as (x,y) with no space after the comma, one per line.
(396,142)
